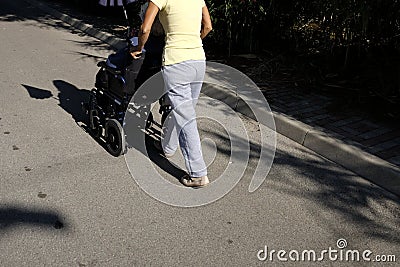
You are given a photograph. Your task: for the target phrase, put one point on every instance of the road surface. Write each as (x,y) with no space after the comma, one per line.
(64,201)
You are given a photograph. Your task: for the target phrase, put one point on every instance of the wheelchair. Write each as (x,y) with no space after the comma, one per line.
(116,82)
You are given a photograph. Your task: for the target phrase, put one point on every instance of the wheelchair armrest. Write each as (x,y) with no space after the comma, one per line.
(104,65)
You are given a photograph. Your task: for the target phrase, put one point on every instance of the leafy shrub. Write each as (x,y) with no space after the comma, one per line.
(355,41)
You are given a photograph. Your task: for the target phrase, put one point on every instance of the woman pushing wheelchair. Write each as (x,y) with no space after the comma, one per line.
(185,24)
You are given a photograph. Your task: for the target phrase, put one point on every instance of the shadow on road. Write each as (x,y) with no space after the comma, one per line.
(37,93)
(16,216)
(69,96)
(371,209)
(12,12)
(141,139)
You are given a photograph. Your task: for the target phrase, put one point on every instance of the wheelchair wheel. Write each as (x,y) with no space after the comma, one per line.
(150,120)
(115,138)
(95,128)
(94,121)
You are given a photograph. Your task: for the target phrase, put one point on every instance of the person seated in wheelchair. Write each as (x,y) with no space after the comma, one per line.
(133,72)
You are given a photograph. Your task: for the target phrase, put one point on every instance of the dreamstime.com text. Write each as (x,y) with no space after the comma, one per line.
(331,254)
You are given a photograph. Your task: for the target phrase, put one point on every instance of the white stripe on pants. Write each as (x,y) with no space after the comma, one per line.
(183,83)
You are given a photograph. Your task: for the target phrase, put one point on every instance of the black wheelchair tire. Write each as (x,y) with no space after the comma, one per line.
(115,138)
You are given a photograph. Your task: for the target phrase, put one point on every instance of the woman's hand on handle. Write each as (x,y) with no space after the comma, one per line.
(135,53)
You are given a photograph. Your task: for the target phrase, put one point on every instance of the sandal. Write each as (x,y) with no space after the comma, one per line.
(195,181)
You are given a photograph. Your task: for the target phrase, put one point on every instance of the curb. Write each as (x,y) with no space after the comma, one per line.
(370,167)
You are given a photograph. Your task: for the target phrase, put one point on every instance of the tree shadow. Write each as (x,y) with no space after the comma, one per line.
(11,11)
(11,216)
(31,15)
(373,210)
(92,44)
(332,189)
(94,58)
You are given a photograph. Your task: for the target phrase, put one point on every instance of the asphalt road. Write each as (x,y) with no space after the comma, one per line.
(64,201)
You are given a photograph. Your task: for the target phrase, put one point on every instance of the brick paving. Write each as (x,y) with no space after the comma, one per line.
(381,139)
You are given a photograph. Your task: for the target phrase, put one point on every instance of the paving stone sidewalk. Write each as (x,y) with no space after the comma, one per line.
(379,138)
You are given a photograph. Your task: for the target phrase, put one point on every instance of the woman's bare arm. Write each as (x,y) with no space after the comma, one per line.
(145,28)
(206,23)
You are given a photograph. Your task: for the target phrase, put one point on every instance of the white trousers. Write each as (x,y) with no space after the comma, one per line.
(183,83)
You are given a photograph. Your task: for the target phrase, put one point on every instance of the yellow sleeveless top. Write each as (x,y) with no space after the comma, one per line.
(181,20)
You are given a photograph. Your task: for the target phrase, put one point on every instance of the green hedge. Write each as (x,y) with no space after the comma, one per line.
(244,24)
(357,41)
